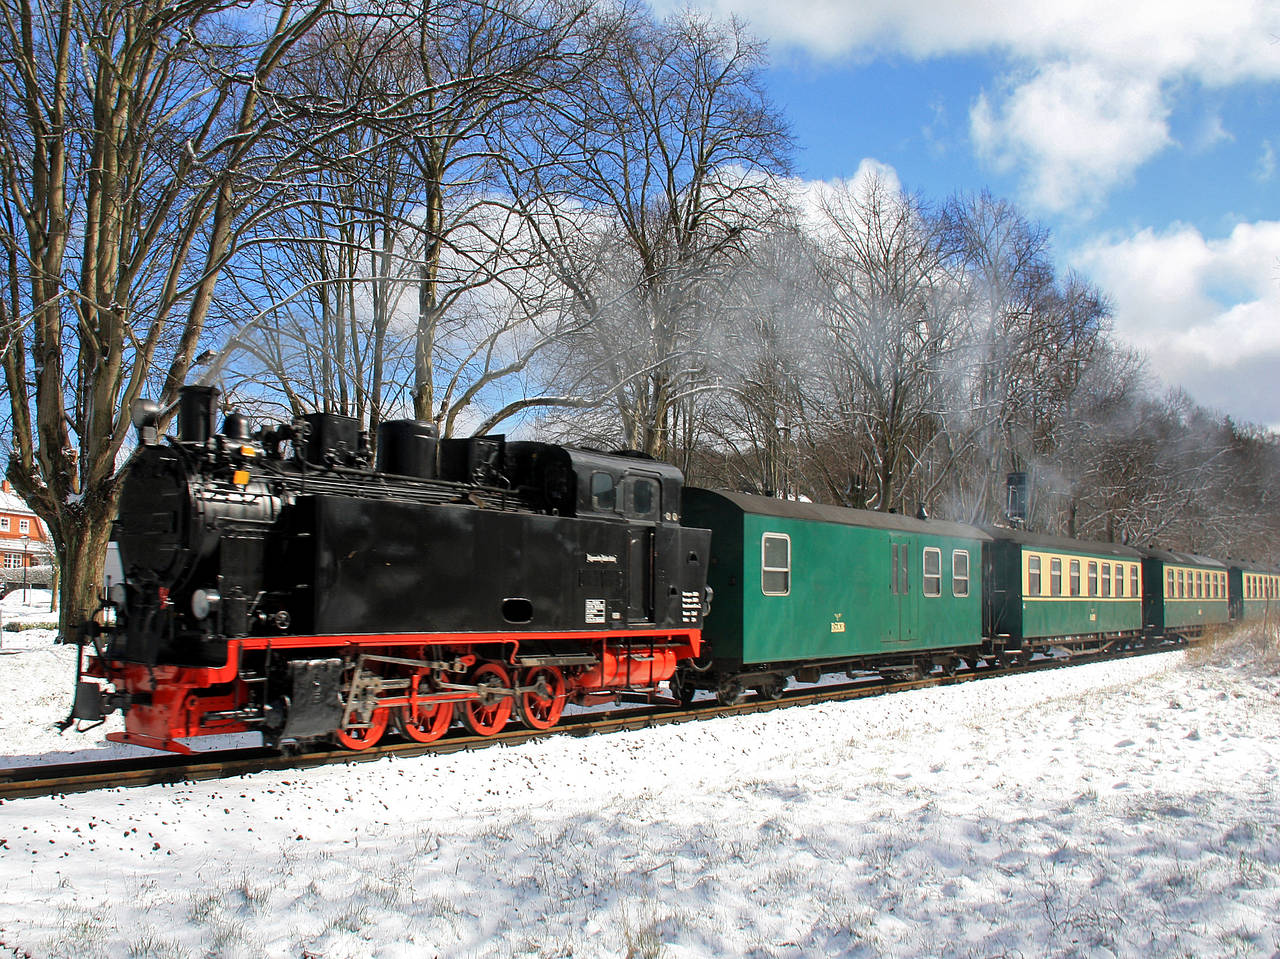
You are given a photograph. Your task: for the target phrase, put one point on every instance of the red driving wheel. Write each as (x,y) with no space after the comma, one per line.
(423,722)
(489,712)
(542,707)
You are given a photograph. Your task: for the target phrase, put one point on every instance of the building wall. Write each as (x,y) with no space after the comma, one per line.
(16,522)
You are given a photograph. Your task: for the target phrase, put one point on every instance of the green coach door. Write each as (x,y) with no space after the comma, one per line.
(904,614)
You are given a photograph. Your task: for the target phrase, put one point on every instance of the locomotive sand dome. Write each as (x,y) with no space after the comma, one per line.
(281,584)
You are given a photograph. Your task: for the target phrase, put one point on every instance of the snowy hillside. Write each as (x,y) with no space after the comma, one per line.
(1127,809)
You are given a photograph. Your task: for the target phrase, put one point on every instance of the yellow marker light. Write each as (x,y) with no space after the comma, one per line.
(241,478)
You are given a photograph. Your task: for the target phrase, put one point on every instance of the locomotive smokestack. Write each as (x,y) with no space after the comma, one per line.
(1017,488)
(195,413)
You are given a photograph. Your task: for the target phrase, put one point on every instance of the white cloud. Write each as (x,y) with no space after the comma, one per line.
(1075,130)
(1266,163)
(1219,42)
(1128,58)
(1205,311)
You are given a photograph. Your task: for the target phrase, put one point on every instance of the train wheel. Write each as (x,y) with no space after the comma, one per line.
(773,688)
(487,715)
(424,722)
(542,710)
(683,689)
(362,737)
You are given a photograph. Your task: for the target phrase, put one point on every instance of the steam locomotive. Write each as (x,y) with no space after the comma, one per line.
(284,583)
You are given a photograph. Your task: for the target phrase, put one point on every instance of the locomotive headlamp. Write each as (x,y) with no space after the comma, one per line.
(204,601)
(146,420)
(144,412)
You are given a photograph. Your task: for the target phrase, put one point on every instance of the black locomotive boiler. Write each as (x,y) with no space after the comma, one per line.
(283,583)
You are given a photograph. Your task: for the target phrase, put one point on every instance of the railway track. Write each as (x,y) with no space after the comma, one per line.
(65,779)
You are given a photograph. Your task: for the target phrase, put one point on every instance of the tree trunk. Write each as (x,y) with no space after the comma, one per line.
(81,556)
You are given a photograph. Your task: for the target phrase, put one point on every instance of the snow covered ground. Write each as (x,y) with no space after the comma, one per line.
(1123,809)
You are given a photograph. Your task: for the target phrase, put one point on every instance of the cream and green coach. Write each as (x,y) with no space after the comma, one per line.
(1043,588)
(1185,593)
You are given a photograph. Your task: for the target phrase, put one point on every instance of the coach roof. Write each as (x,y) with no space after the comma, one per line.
(791,509)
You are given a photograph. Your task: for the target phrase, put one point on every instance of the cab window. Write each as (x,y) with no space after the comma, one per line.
(604,495)
(643,499)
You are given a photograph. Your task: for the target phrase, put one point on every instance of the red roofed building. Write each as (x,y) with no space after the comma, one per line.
(23,539)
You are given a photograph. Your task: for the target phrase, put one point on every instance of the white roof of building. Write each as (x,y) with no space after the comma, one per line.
(13,503)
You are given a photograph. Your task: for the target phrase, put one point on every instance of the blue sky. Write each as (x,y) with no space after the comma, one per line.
(1144,135)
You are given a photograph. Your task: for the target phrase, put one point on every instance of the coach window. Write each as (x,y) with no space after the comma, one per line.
(960,572)
(1093,578)
(604,495)
(1199,584)
(775,564)
(1055,577)
(1106,579)
(1033,575)
(1075,577)
(1133,580)
(932,571)
(1119,579)
(644,496)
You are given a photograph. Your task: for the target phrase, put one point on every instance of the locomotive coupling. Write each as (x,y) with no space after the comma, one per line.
(93,703)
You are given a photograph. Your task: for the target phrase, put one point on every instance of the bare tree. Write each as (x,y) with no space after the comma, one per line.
(894,316)
(765,353)
(410,239)
(127,167)
(659,169)
(1033,338)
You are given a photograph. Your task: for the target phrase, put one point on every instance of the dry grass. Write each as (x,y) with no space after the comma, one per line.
(1254,647)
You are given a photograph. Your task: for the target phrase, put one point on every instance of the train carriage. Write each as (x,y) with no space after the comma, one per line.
(1184,593)
(800,587)
(1253,592)
(1042,587)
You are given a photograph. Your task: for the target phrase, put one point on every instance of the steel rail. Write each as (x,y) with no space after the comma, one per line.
(68,778)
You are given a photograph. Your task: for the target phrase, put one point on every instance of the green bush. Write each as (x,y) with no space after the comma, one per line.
(23,627)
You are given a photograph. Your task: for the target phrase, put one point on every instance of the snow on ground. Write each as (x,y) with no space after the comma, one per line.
(1122,809)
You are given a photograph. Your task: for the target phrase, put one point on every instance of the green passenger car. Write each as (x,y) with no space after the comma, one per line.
(1042,587)
(1185,593)
(802,583)
(1254,592)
